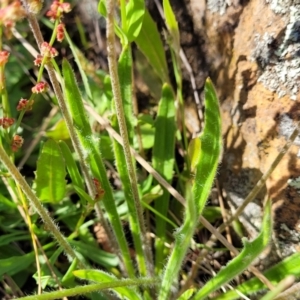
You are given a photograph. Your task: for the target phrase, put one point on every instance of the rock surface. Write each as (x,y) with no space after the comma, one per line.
(253,54)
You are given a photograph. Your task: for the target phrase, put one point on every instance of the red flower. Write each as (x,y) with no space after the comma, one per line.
(57,9)
(25,104)
(6,122)
(47,50)
(16,143)
(60,32)
(40,87)
(3,57)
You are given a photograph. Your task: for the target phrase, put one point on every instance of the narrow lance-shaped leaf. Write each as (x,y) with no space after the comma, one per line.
(206,168)
(211,146)
(14,264)
(289,266)
(150,44)
(163,163)
(72,168)
(249,253)
(50,184)
(135,11)
(172,25)
(93,157)
(71,165)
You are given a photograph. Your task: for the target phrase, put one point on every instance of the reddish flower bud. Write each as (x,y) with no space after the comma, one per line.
(40,87)
(48,51)
(6,122)
(3,57)
(60,32)
(38,60)
(25,104)
(16,143)
(57,9)
(10,14)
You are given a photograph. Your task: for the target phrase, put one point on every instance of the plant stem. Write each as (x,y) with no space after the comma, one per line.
(68,120)
(90,288)
(60,99)
(38,206)
(112,62)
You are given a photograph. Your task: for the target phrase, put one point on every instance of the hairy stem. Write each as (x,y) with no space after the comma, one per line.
(113,69)
(38,206)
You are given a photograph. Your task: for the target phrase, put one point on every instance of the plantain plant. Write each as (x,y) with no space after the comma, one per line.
(47,215)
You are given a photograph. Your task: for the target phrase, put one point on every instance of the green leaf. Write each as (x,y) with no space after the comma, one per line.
(289,266)
(211,145)
(164,142)
(249,253)
(6,239)
(150,44)
(206,168)
(172,25)
(93,158)
(84,195)
(59,131)
(74,173)
(118,30)
(95,254)
(102,8)
(15,264)
(71,165)
(76,53)
(106,148)
(187,294)
(47,278)
(50,184)
(9,204)
(163,162)
(135,11)
(147,129)
(194,153)
(69,278)
(211,214)
(100,276)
